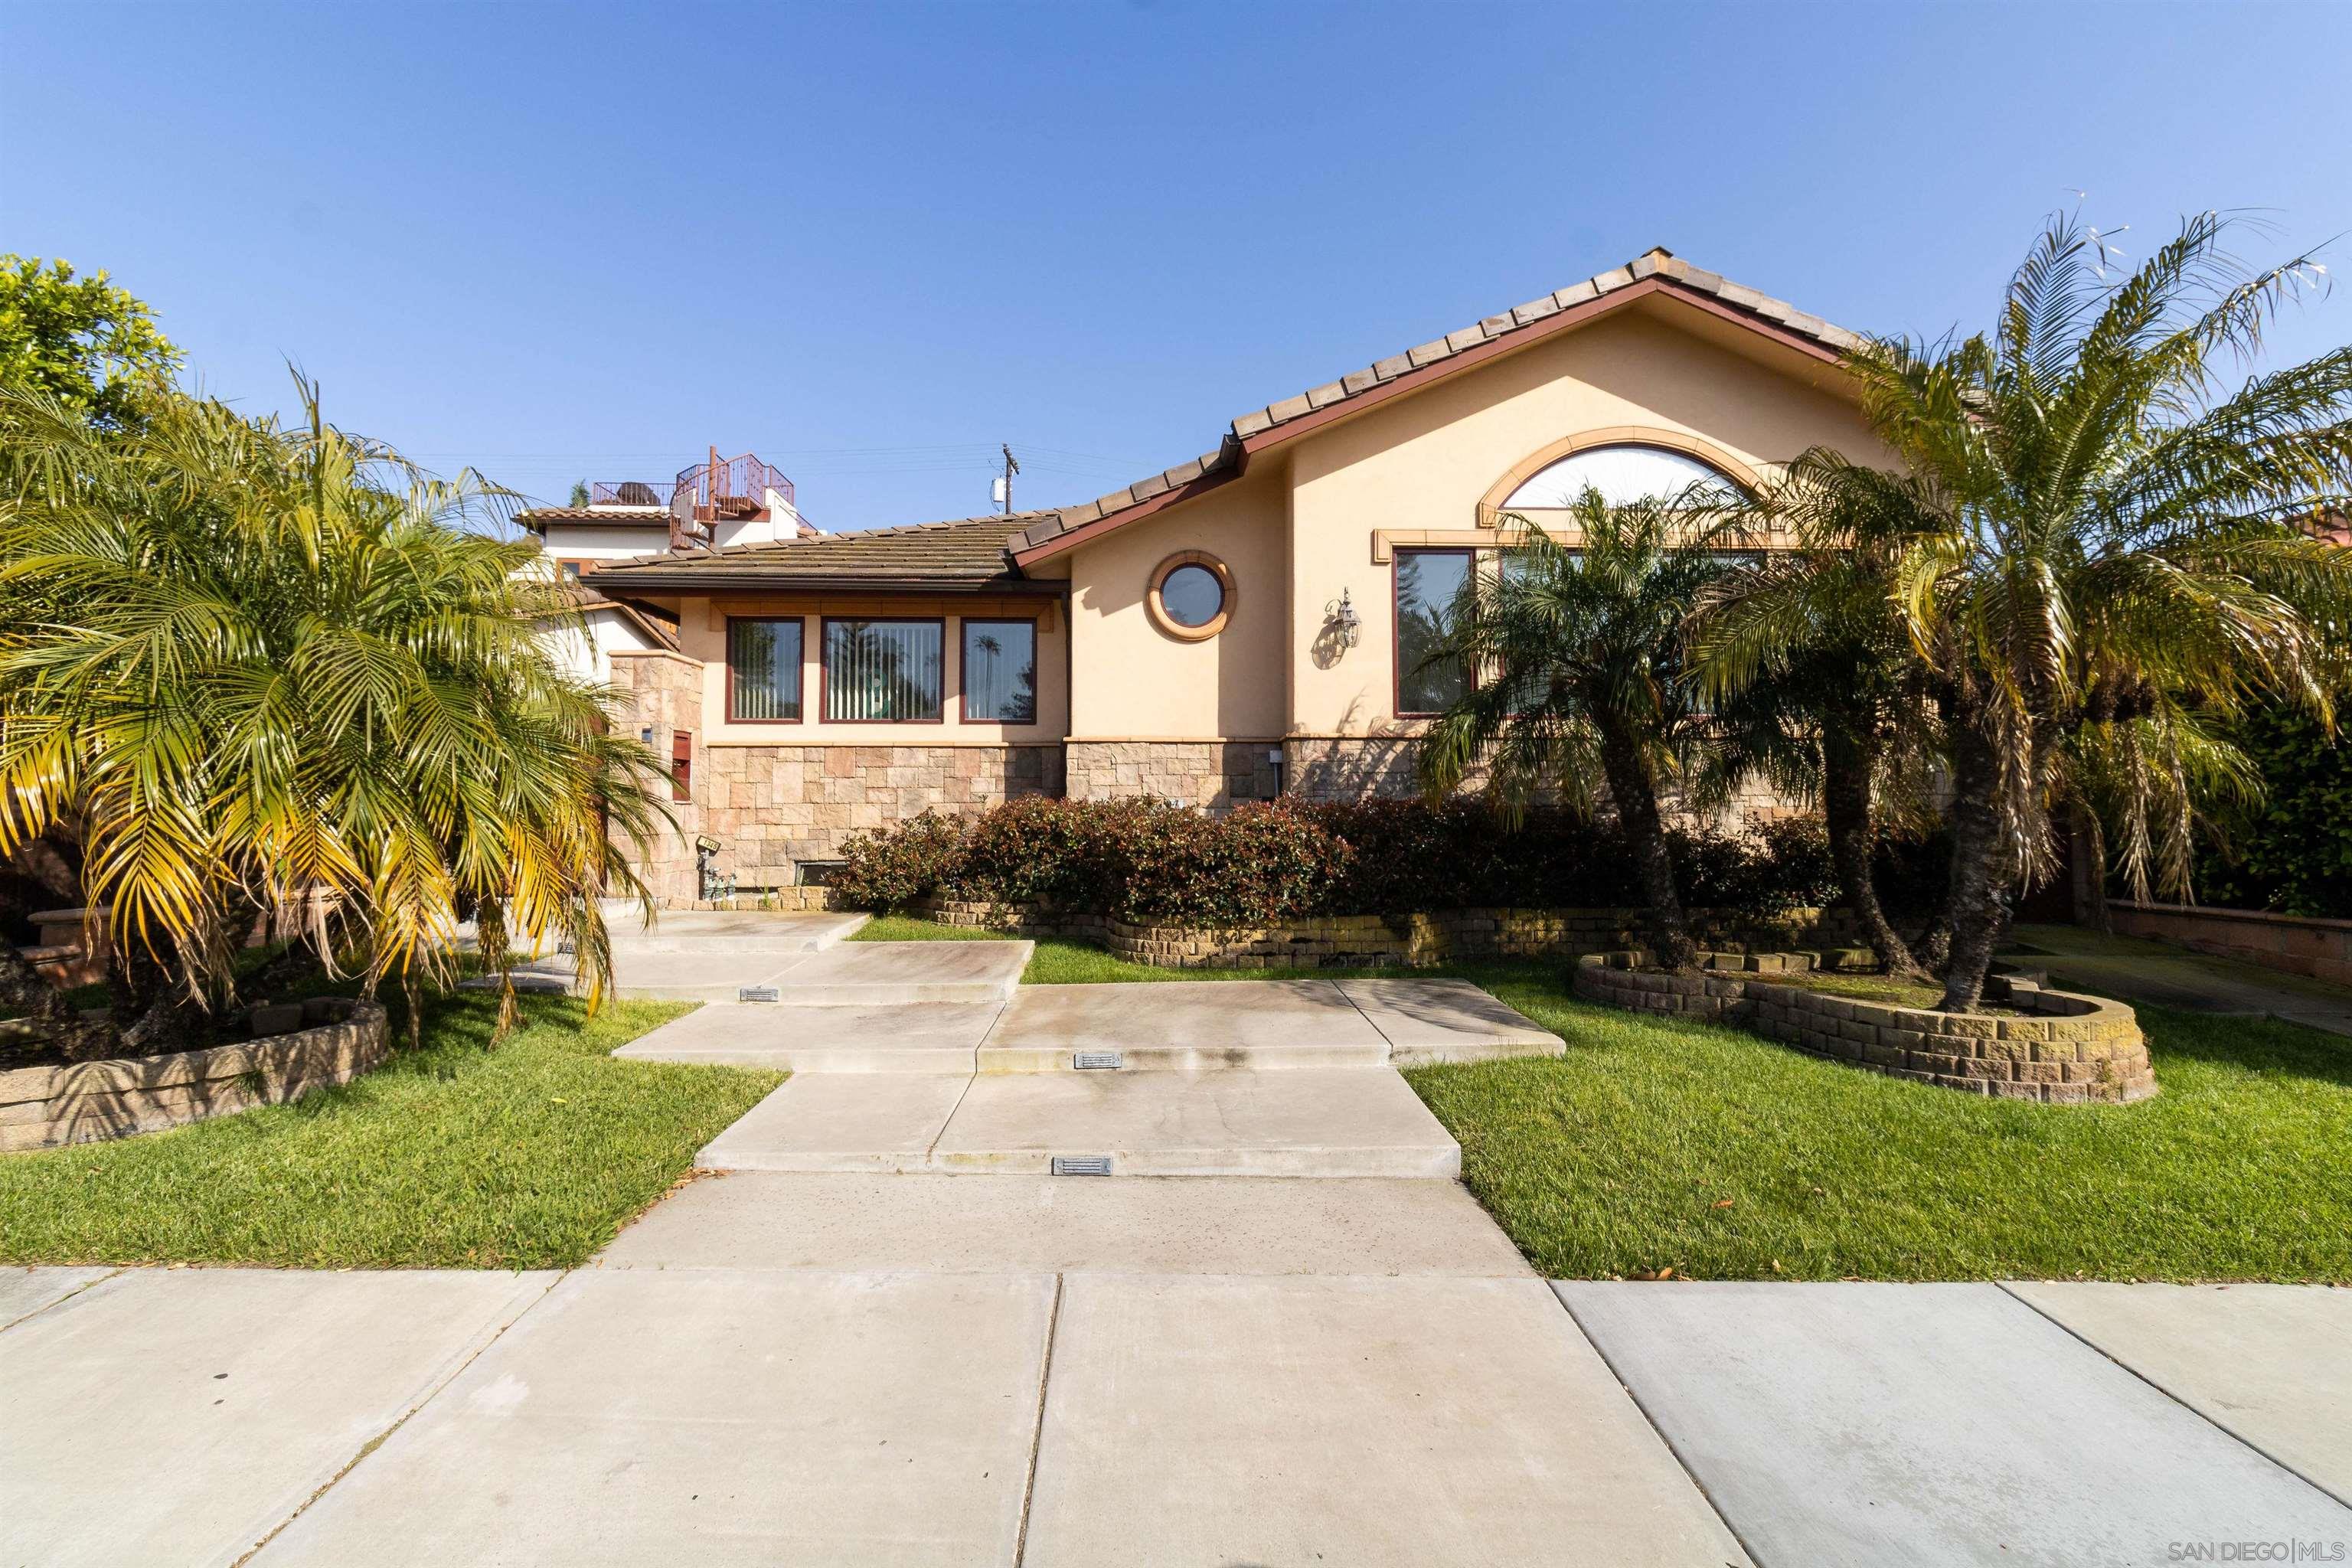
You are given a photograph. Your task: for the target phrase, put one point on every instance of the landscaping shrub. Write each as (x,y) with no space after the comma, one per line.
(890,868)
(2291,850)
(1148,862)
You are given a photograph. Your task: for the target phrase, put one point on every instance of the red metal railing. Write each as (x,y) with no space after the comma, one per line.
(712,487)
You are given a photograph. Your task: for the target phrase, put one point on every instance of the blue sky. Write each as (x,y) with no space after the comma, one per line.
(870,243)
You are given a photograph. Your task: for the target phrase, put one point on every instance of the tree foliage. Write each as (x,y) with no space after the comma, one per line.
(272,673)
(1582,675)
(92,346)
(2111,549)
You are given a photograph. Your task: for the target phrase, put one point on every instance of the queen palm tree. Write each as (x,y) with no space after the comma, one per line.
(1588,686)
(274,673)
(2106,534)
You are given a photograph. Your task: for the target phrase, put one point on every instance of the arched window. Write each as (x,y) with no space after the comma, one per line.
(1620,473)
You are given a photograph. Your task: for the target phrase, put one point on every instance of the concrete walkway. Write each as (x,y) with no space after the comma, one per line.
(2133,970)
(851,1358)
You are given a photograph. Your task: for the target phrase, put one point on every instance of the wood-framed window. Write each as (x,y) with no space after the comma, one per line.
(1000,672)
(763,670)
(1429,585)
(572,571)
(884,670)
(681,765)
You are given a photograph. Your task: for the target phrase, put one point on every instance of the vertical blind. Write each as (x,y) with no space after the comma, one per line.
(1428,583)
(763,667)
(887,671)
(1000,672)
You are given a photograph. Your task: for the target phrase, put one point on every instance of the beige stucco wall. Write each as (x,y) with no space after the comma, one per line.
(1425,462)
(1134,681)
(1303,524)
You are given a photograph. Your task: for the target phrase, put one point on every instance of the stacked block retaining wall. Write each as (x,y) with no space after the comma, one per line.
(2064,1048)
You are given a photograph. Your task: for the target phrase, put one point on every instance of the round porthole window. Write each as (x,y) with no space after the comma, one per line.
(1192,595)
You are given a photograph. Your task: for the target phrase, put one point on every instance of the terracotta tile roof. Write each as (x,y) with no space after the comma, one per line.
(1226,461)
(626,517)
(963,554)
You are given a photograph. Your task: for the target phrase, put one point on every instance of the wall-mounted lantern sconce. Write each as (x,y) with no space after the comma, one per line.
(1341,615)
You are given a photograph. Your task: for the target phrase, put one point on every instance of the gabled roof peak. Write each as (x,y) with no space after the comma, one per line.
(1657,267)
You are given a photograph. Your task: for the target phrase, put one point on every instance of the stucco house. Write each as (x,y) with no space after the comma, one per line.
(1241,625)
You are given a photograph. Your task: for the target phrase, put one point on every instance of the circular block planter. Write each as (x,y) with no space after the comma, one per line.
(2064,1048)
(88,1103)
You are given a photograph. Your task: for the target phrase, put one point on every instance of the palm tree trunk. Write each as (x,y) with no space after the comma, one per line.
(2086,868)
(1635,793)
(1846,765)
(1978,906)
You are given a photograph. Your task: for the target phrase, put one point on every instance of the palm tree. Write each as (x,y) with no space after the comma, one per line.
(2107,535)
(1587,684)
(273,673)
(1802,655)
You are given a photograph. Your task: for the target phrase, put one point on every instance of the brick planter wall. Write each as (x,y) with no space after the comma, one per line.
(2073,1050)
(86,1102)
(1352,942)
(2291,944)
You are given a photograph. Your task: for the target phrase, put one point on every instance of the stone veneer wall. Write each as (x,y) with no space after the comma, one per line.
(85,1102)
(1416,941)
(773,806)
(2291,944)
(1215,774)
(666,696)
(1378,767)
(1382,768)
(2072,1050)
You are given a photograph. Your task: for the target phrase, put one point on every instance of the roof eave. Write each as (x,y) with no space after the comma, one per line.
(646,581)
(1029,547)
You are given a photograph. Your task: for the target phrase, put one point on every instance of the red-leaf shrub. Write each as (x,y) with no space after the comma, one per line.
(890,868)
(1152,863)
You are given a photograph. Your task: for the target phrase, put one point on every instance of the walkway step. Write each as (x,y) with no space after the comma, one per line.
(913,1037)
(886,973)
(1257,1025)
(1170,1025)
(848,975)
(1205,1224)
(1330,1121)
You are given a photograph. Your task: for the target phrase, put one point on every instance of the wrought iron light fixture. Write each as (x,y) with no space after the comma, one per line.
(1341,615)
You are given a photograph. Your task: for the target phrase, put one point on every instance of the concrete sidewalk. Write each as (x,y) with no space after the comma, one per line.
(1031,1371)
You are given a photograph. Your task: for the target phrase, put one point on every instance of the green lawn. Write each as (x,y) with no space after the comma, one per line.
(528,1154)
(1618,1158)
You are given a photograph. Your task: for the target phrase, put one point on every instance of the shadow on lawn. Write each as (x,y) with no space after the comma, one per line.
(2269,1046)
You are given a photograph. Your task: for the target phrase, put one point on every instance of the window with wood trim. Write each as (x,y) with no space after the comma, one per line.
(1431,586)
(885,671)
(1000,672)
(763,670)
(681,765)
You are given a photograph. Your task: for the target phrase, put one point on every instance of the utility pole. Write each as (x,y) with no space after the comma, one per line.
(1004,485)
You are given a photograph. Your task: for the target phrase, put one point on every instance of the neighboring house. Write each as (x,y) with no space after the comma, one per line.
(1244,625)
(715,504)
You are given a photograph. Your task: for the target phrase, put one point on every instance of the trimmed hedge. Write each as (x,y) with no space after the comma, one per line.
(1148,862)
